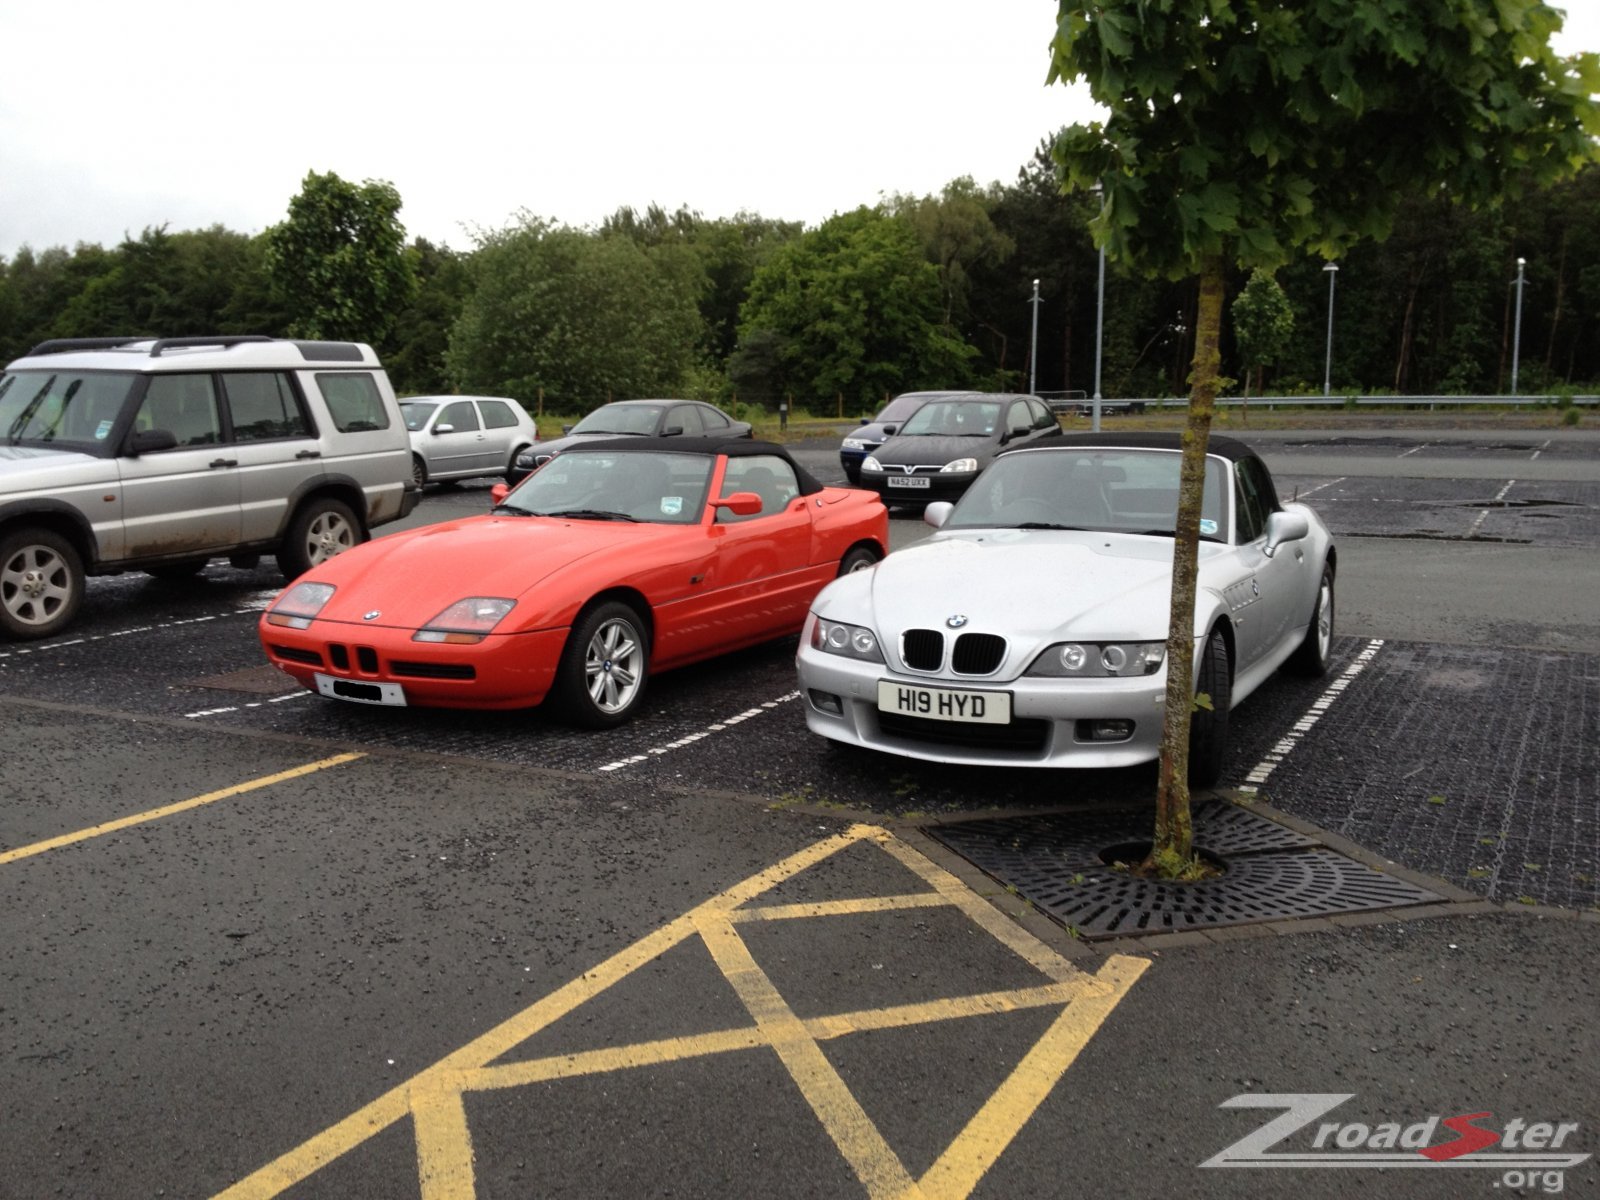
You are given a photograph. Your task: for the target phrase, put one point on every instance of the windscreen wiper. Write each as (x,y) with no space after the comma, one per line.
(589,514)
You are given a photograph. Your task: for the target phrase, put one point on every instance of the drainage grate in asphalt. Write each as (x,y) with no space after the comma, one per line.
(1273,873)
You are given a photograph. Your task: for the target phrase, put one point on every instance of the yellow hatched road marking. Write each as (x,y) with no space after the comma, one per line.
(435,1098)
(155,814)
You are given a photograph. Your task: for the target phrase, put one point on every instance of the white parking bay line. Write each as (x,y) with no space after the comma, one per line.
(46,647)
(211,712)
(1501,495)
(1303,726)
(700,735)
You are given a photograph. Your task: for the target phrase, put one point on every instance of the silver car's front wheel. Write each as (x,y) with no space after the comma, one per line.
(320,530)
(604,667)
(41,583)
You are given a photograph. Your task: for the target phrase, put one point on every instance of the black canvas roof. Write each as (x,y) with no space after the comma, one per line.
(1222,447)
(732,447)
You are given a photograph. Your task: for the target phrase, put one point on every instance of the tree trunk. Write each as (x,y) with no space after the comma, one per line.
(1174,833)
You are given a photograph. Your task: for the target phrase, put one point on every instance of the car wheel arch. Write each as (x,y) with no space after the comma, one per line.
(632,597)
(329,487)
(60,519)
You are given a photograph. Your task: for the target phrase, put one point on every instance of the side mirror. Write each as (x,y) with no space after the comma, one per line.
(566,429)
(888,430)
(499,492)
(672,431)
(438,429)
(1285,527)
(740,504)
(866,420)
(147,441)
(937,513)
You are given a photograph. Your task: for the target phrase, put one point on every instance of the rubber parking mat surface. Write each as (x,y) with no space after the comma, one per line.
(1469,763)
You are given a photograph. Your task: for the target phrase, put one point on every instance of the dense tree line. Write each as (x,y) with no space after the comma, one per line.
(915,292)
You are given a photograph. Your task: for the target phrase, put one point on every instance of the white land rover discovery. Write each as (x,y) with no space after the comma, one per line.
(124,454)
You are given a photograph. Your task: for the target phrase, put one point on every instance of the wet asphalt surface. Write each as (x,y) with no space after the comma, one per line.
(182,1001)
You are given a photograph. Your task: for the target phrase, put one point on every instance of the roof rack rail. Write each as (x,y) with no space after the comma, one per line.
(64,345)
(223,341)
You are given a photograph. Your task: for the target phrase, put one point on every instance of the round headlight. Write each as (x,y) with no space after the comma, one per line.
(863,642)
(1113,658)
(1073,657)
(838,636)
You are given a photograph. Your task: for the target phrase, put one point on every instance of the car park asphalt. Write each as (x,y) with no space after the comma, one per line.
(264,942)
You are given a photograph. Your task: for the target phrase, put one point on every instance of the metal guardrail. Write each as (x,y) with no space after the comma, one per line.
(1430,402)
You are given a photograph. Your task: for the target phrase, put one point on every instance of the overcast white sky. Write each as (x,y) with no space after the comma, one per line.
(114,117)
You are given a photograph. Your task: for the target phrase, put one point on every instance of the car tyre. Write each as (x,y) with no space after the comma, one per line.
(511,474)
(1314,655)
(859,558)
(604,667)
(41,583)
(1208,728)
(321,529)
(419,472)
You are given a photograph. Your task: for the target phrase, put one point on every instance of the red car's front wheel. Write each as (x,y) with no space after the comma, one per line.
(604,667)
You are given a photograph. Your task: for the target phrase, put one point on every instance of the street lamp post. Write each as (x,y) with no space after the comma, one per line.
(1033,346)
(1516,335)
(1332,271)
(1099,319)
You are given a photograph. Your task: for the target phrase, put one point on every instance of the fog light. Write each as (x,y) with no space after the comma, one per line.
(826,702)
(1104,731)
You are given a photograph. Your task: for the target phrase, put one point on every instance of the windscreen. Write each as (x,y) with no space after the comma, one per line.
(416,413)
(1115,491)
(953,418)
(664,488)
(621,418)
(76,409)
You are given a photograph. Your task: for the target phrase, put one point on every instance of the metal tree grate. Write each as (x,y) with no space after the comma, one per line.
(1273,873)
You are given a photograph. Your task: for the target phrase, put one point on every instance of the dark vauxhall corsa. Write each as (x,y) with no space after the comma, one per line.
(944,445)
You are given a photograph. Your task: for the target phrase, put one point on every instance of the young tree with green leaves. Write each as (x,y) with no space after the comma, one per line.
(339,262)
(1241,132)
(1263,323)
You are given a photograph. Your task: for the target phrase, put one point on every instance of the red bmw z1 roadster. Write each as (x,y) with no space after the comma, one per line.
(612,561)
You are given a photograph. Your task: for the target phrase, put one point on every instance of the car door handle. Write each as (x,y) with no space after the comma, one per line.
(224,462)
(309,454)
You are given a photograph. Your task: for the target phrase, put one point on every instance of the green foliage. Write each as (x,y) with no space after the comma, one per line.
(339,262)
(582,317)
(414,350)
(957,235)
(1247,129)
(851,308)
(1263,321)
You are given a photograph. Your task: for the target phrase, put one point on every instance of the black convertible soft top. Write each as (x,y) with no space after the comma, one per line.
(732,447)
(1223,447)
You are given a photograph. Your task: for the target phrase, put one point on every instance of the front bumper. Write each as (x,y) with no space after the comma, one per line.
(502,671)
(1044,729)
(941,486)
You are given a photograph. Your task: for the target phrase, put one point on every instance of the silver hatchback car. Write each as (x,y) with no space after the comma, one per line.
(459,437)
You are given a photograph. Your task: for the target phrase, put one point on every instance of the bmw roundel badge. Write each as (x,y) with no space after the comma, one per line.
(956,621)
(371,616)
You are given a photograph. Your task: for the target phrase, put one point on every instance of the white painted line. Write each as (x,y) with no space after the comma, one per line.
(1259,773)
(1540,450)
(1413,450)
(689,739)
(211,712)
(1319,487)
(45,647)
(1501,495)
